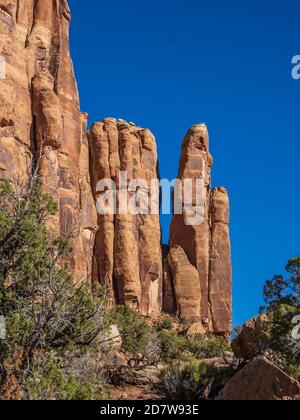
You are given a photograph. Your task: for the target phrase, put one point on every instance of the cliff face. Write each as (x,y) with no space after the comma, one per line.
(40,120)
(127,254)
(40,116)
(204,247)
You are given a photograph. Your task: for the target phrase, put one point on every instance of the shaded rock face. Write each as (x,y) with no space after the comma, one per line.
(169,298)
(40,121)
(260,380)
(127,255)
(206,245)
(220,274)
(40,116)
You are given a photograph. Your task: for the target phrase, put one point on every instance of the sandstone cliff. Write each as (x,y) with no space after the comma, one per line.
(40,116)
(127,254)
(40,121)
(206,245)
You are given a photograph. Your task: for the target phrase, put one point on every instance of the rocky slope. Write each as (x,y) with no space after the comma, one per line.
(40,120)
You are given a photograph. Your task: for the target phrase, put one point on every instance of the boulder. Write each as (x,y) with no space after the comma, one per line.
(111,339)
(260,380)
(253,338)
(196,329)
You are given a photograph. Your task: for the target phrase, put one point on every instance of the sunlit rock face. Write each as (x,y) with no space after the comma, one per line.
(206,242)
(41,122)
(127,254)
(40,117)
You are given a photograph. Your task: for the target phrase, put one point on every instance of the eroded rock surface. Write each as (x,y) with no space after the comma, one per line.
(206,245)
(127,257)
(253,340)
(40,121)
(220,274)
(40,117)
(169,298)
(186,284)
(260,380)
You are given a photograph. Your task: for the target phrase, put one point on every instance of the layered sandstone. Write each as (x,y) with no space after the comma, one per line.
(127,255)
(41,123)
(40,117)
(185,280)
(169,299)
(202,233)
(220,275)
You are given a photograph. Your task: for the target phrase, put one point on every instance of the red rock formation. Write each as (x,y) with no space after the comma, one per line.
(40,115)
(186,284)
(127,254)
(253,339)
(220,275)
(40,120)
(260,380)
(169,298)
(206,245)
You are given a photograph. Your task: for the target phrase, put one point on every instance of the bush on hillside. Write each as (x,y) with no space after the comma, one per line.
(47,316)
(192,381)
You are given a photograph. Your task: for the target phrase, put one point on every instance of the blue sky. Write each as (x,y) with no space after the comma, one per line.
(169,64)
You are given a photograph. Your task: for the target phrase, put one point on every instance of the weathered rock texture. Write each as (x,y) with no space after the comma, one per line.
(253,340)
(40,116)
(40,121)
(169,299)
(186,284)
(205,247)
(260,380)
(127,256)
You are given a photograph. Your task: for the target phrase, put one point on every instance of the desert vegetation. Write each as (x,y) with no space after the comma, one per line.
(63,342)
(59,343)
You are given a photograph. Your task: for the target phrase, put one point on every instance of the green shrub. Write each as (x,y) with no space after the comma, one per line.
(172,346)
(51,381)
(164,323)
(43,308)
(139,340)
(192,381)
(293,369)
(208,347)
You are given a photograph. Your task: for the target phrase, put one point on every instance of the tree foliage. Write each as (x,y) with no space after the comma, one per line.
(282,299)
(282,290)
(45,312)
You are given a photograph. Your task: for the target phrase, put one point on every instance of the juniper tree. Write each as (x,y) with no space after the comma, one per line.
(45,312)
(282,298)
